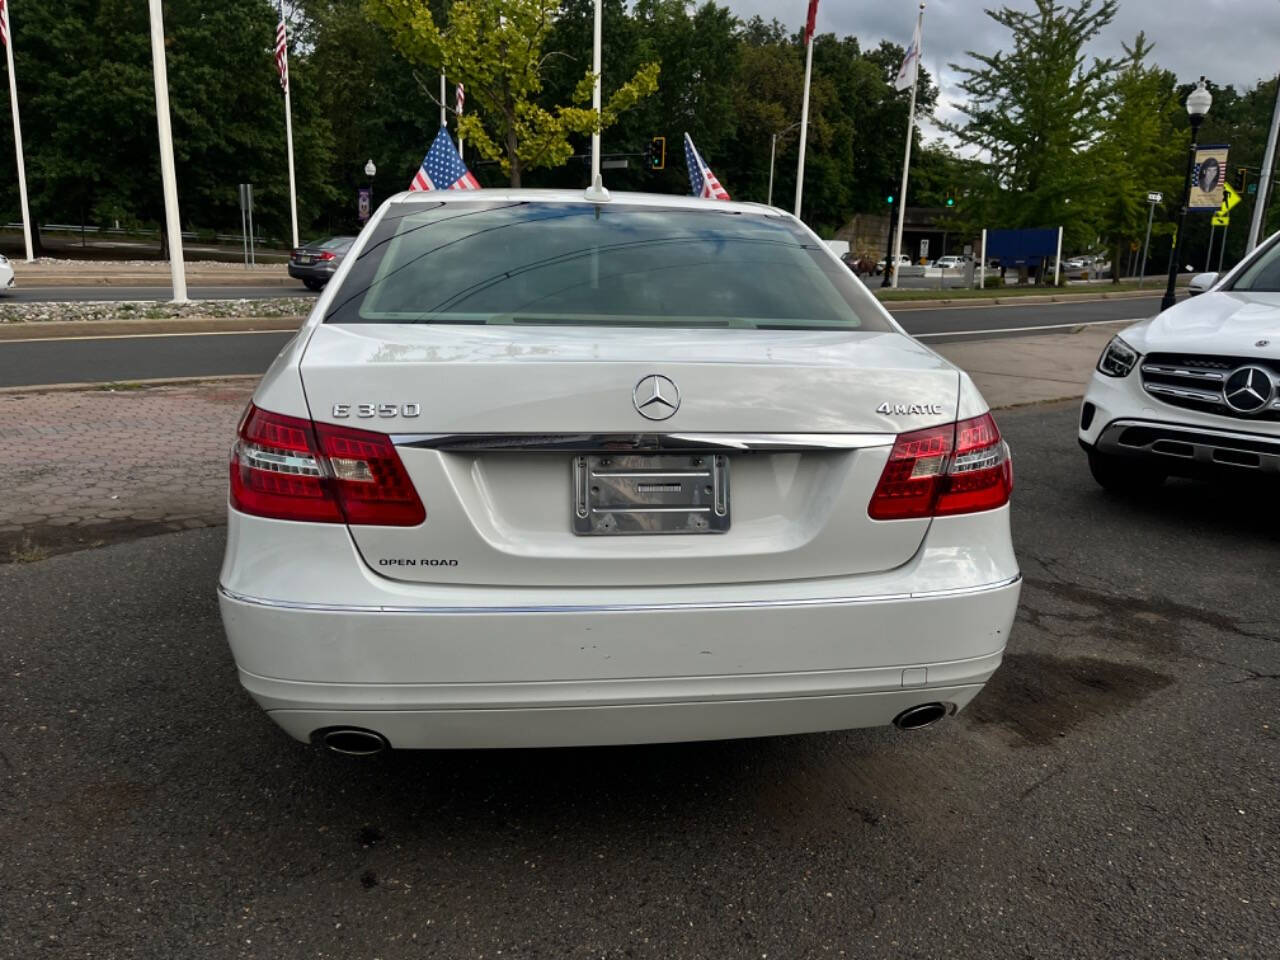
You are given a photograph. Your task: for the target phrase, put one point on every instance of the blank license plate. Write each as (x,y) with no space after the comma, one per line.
(620,494)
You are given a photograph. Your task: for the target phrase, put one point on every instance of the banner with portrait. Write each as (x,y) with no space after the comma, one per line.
(1208,177)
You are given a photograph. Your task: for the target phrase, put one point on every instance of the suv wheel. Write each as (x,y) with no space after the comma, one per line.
(312,284)
(1124,474)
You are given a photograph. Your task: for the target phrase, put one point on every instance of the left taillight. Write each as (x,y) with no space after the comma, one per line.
(939,471)
(327,255)
(288,468)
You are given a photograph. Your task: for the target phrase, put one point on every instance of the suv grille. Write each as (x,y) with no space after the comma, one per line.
(1195,382)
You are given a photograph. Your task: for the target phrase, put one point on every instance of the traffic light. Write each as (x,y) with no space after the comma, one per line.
(951,198)
(889,199)
(657,153)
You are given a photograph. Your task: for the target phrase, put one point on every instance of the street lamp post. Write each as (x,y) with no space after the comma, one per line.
(1198,103)
(773,152)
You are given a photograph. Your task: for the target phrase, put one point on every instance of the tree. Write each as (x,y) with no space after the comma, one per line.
(1142,148)
(496,48)
(1034,110)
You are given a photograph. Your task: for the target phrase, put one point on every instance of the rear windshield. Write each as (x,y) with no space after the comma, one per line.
(529,262)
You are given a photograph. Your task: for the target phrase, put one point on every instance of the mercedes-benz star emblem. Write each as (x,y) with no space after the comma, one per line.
(1263,343)
(656,397)
(1248,390)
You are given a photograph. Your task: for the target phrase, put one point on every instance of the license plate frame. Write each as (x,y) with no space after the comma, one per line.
(631,494)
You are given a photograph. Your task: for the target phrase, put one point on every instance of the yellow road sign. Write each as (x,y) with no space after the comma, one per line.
(1229,199)
(1221,220)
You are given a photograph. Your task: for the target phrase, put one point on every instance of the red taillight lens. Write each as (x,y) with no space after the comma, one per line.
(327,255)
(291,469)
(957,468)
(371,482)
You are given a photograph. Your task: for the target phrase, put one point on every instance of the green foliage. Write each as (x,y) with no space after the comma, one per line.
(495,47)
(1034,110)
(1141,148)
(88,108)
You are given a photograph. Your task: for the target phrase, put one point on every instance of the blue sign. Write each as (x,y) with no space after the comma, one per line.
(1022,248)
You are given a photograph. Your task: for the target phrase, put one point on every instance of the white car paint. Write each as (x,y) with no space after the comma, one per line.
(509,630)
(1145,431)
(6,273)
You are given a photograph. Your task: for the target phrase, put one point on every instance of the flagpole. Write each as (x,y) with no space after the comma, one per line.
(288,138)
(596,191)
(173,228)
(906,160)
(444,119)
(457,108)
(804,122)
(17,137)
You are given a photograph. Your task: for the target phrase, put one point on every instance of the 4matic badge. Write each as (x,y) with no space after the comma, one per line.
(908,409)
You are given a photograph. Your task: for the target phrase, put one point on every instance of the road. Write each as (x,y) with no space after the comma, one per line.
(1114,792)
(27,363)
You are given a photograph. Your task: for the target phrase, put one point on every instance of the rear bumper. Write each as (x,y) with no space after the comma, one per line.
(321,272)
(561,676)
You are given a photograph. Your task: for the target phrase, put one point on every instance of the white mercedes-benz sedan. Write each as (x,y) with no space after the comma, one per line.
(1194,391)
(543,471)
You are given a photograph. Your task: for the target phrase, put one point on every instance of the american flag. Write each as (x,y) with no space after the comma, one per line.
(282,54)
(460,96)
(812,22)
(443,169)
(701,178)
(4,23)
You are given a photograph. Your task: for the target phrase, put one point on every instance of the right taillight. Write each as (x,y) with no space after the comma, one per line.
(955,468)
(288,468)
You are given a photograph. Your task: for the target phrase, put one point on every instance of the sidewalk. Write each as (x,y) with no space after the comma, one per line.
(101,465)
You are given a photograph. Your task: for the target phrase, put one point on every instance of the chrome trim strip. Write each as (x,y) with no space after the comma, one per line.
(1124,424)
(1183,393)
(614,442)
(1187,372)
(619,607)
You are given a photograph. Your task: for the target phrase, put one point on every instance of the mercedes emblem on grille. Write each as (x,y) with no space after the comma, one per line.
(1248,390)
(656,397)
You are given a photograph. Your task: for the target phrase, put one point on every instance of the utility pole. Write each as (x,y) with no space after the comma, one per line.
(177,268)
(1260,203)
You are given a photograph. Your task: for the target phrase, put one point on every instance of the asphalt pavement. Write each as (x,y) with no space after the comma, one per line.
(1114,792)
(115,359)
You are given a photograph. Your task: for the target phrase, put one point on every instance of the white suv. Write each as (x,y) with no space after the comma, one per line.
(544,471)
(1195,390)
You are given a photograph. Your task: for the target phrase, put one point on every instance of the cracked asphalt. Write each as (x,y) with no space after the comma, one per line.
(1114,792)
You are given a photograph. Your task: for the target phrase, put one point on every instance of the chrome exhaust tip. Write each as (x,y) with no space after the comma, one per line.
(923,715)
(352,741)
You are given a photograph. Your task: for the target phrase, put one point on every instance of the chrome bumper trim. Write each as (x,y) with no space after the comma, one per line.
(617,607)
(1204,445)
(614,442)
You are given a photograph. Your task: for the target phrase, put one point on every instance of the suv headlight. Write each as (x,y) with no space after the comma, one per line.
(1118,359)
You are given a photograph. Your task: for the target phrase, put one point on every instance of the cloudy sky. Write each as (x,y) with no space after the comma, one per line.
(1230,41)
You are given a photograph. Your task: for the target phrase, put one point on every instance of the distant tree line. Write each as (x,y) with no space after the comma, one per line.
(1050,137)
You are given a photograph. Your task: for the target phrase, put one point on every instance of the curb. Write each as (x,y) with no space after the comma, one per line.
(220,279)
(25,331)
(1029,300)
(116,385)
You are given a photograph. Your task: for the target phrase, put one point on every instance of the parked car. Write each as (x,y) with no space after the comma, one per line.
(1194,390)
(315,263)
(6,273)
(524,478)
(903,261)
(950,262)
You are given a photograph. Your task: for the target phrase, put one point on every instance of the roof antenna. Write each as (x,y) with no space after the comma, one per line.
(596,193)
